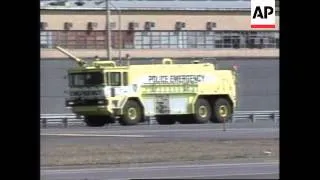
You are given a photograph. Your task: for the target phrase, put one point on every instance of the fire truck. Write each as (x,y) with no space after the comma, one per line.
(191,93)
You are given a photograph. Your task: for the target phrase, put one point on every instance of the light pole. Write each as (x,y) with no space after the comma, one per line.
(108,33)
(119,29)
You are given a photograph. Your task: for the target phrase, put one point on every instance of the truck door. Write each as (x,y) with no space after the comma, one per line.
(119,83)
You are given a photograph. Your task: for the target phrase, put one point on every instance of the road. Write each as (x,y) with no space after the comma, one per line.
(143,134)
(243,170)
(258,83)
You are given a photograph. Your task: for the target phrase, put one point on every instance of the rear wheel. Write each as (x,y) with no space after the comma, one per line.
(132,114)
(203,113)
(222,111)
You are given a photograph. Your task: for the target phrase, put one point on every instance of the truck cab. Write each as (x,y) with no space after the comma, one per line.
(95,91)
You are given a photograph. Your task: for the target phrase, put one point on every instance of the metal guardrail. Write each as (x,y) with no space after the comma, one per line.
(67,119)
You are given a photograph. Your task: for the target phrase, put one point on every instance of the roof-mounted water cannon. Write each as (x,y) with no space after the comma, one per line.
(78,60)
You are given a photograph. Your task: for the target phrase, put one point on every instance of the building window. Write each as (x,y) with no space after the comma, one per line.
(46,39)
(161,39)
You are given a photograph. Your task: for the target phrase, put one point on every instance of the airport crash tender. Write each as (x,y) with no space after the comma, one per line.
(103,92)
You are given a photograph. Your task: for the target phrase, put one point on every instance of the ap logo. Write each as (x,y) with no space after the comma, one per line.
(263,14)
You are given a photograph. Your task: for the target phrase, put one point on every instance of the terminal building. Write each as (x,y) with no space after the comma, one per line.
(154,28)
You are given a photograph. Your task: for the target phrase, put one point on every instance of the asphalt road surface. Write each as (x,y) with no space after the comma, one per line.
(258,83)
(238,124)
(143,134)
(246,170)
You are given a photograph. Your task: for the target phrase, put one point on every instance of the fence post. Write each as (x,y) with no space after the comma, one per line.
(150,120)
(65,122)
(224,124)
(232,119)
(44,122)
(274,117)
(253,118)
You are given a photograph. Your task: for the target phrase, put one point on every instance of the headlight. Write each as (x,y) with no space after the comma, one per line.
(69,103)
(101,102)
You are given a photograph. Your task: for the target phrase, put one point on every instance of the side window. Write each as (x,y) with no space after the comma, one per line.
(125,78)
(107,78)
(115,79)
(70,80)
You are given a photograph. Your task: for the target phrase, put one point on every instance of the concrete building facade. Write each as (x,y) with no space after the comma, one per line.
(176,28)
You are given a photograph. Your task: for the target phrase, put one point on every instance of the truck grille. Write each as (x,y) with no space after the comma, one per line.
(86,102)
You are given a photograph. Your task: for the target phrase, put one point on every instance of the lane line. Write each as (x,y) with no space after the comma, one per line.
(201,176)
(93,135)
(222,165)
(175,130)
(126,134)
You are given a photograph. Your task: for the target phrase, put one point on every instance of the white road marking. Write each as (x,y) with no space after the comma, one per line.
(92,135)
(143,168)
(200,176)
(244,130)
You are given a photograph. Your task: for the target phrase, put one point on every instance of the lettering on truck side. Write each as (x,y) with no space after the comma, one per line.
(175,79)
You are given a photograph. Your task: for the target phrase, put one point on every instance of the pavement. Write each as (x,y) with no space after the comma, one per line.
(243,170)
(258,83)
(143,134)
(260,169)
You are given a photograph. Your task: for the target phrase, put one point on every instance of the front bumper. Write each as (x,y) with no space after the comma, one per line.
(86,102)
(110,107)
(91,110)
(88,106)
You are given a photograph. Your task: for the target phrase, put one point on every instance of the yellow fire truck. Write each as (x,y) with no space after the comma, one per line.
(104,92)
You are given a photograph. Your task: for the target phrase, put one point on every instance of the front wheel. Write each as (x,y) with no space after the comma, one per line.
(132,114)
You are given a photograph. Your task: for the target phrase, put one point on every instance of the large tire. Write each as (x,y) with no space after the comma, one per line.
(95,121)
(166,119)
(222,111)
(203,111)
(132,114)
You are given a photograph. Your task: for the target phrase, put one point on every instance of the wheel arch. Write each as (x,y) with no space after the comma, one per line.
(140,104)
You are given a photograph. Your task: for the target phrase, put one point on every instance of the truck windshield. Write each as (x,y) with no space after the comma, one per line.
(86,79)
